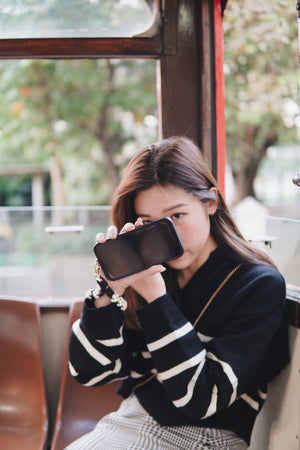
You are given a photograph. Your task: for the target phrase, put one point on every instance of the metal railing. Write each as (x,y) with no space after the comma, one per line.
(48,252)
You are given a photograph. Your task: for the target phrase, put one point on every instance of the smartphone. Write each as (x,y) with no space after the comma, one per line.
(156,242)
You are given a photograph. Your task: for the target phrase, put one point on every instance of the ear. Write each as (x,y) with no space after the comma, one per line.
(213,204)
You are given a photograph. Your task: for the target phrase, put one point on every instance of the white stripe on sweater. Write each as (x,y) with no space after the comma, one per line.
(176,370)
(251,402)
(204,338)
(213,403)
(229,373)
(190,388)
(183,401)
(232,379)
(106,374)
(72,370)
(176,334)
(263,395)
(114,342)
(88,346)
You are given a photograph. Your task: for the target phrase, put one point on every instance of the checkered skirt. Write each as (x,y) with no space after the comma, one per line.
(131,427)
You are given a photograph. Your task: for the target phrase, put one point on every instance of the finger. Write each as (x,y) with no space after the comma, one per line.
(112,232)
(127,227)
(97,268)
(100,237)
(159,268)
(138,222)
(120,285)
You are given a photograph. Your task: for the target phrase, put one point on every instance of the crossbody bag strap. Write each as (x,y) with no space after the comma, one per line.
(215,293)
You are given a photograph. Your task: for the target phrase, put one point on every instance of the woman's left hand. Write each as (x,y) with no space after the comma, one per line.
(149,283)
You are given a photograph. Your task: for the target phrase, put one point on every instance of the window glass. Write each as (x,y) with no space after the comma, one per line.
(263,126)
(67,130)
(74,18)
(69,127)
(262,104)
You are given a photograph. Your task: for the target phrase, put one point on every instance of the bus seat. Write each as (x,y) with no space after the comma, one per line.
(80,407)
(23,405)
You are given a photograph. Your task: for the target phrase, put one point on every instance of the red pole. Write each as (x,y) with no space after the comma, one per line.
(220,95)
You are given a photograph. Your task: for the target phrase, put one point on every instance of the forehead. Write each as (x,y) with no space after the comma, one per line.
(158,200)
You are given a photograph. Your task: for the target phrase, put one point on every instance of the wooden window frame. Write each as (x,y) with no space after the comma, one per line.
(184,51)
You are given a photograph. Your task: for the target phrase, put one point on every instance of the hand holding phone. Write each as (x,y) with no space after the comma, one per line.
(134,251)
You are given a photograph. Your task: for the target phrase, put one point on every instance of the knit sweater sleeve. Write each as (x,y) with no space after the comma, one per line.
(97,349)
(203,375)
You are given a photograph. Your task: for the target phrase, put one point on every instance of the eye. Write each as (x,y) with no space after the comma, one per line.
(177,216)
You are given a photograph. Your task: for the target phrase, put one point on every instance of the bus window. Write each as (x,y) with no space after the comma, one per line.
(68,128)
(75,18)
(262,124)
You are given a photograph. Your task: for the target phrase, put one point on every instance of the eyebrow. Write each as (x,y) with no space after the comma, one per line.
(170,208)
(165,211)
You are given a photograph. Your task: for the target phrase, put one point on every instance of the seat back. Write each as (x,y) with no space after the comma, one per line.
(23,406)
(80,407)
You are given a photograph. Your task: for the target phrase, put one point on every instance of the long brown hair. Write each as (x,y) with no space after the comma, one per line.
(178,161)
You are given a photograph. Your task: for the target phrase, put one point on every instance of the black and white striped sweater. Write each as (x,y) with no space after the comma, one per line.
(213,375)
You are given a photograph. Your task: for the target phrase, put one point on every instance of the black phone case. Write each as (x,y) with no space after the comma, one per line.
(154,243)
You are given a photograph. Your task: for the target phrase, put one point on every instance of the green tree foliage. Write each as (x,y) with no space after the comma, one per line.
(82,118)
(261,73)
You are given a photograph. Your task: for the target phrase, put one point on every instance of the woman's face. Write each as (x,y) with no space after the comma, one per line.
(191,219)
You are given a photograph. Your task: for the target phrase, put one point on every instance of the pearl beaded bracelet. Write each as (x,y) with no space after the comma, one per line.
(105,289)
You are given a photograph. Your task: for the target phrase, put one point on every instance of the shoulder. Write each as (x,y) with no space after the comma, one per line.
(262,273)
(247,272)
(263,285)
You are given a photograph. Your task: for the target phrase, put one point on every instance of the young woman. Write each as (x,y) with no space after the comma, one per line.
(201,338)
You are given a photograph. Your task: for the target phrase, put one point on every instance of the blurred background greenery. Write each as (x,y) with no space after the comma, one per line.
(80,119)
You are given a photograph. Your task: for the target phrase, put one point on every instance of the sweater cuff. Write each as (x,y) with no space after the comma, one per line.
(159,317)
(104,322)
